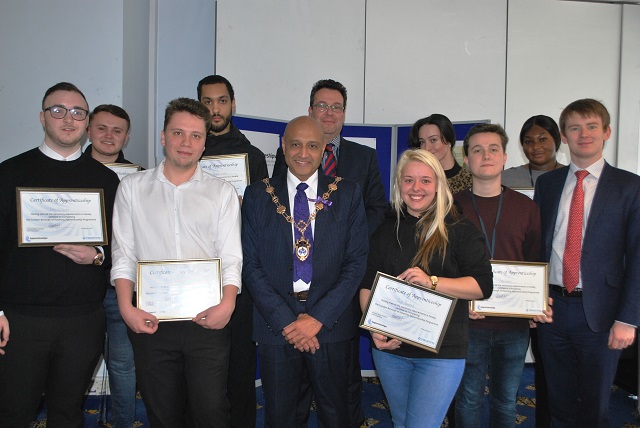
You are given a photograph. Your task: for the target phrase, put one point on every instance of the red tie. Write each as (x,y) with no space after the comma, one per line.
(330,163)
(573,246)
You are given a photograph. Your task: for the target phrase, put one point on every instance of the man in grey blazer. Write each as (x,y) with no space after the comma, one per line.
(596,293)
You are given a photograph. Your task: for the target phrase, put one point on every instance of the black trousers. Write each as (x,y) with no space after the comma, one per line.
(56,356)
(241,389)
(182,372)
(282,368)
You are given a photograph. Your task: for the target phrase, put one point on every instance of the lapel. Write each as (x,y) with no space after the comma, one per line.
(600,198)
(279,183)
(345,153)
(323,219)
(555,192)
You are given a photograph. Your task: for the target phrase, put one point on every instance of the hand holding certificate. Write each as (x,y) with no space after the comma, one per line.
(408,312)
(178,289)
(519,290)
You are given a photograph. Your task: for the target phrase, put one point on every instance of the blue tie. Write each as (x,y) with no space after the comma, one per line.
(304,244)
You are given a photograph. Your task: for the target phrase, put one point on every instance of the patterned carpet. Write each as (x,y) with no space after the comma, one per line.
(623,409)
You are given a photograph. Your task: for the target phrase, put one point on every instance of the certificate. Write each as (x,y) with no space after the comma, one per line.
(408,312)
(233,169)
(123,169)
(174,290)
(527,191)
(48,217)
(519,290)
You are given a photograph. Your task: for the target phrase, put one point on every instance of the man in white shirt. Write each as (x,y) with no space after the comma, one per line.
(178,212)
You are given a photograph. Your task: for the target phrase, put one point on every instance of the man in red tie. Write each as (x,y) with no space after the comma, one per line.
(590,214)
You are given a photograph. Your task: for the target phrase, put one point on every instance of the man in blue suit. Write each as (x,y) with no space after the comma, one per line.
(305,245)
(590,213)
(359,163)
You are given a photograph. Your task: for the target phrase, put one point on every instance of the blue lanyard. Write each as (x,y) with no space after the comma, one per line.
(492,246)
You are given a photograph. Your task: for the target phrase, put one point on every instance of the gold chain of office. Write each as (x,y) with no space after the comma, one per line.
(302,245)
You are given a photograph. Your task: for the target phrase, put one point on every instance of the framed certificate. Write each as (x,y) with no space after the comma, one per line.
(519,290)
(408,312)
(49,216)
(123,169)
(527,191)
(175,290)
(233,169)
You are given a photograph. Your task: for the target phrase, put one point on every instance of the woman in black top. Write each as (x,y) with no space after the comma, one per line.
(425,241)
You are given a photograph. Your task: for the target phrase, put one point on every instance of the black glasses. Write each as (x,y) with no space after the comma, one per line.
(322,107)
(59,112)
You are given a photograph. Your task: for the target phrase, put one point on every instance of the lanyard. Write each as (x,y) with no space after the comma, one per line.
(492,246)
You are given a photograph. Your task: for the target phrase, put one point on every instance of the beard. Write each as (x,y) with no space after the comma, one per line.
(221,126)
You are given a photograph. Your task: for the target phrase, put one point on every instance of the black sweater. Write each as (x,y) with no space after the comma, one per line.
(234,142)
(38,280)
(465,256)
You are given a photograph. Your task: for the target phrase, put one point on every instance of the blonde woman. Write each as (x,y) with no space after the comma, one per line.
(424,238)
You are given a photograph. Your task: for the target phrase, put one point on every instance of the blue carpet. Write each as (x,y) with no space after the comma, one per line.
(622,410)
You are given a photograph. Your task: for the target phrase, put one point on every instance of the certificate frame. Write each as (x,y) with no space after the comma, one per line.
(223,167)
(527,191)
(123,169)
(395,309)
(512,299)
(43,216)
(161,286)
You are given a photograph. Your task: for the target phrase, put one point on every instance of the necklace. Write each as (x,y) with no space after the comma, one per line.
(531,173)
(302,245)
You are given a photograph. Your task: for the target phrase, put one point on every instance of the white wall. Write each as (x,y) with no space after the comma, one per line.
(43,43)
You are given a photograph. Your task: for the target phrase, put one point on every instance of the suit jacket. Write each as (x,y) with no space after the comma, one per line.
(360,164)
(339,261)
(610,258)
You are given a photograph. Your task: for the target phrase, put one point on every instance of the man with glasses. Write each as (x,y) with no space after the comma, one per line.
(52,321)
(347,159)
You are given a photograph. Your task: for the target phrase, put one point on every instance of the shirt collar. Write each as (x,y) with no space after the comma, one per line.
(293,181)
(50,153)
(594,169)
(335,142)
(159,174)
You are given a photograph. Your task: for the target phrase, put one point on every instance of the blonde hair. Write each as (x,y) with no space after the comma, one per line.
(431,230)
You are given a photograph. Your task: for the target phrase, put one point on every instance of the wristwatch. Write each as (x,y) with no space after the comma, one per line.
(434,282)
(99,258)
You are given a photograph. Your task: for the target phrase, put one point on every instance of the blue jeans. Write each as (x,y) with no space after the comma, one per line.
(501,354)
(120,365)
(418,390)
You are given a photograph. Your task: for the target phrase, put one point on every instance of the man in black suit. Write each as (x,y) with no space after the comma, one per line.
(328,104)
(303,321)
(590,214)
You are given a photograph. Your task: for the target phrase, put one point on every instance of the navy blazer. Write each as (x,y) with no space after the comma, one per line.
(610,258)
(339,259)
(360,164)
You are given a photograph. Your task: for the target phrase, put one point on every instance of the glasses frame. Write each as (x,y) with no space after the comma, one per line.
(72,110)
(323,107)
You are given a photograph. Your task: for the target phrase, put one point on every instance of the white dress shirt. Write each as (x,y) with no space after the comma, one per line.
(155,220)
(589,185)
(312,193)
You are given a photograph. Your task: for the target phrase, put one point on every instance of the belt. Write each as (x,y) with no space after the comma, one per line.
(564,292)
(300,296)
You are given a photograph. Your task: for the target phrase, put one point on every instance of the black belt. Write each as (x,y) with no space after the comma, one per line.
(564,292)
(300,296)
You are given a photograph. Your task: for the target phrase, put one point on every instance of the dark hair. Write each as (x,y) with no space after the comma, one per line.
(63,86)
(212,80)
(480,128)
(545,122)
(187,105)
(112,109)
(328,84)
(441,121)
(585,107)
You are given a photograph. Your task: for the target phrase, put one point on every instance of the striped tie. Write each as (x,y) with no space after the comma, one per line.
(330,163)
